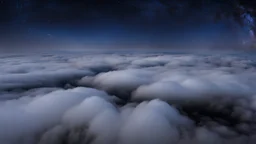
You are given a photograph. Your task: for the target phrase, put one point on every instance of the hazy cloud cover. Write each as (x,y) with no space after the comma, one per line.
(127,99)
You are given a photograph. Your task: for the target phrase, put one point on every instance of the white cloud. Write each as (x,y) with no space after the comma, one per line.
(134,98)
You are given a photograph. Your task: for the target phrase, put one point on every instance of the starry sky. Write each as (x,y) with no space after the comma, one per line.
(119,23)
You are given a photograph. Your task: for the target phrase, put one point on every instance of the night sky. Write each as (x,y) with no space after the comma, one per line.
(120,23)
(127,72)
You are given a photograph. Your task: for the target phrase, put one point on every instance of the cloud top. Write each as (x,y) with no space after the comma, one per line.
(129,98)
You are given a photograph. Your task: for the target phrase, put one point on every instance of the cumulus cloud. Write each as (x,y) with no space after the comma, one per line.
(21,119)
(153,122)
(127,98)
(121,82)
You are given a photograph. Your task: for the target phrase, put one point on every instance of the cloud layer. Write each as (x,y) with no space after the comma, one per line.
(127,98)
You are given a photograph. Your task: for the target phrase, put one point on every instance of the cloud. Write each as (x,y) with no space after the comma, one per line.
(121,82)
(23,73)
(127,98)
(21,119)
